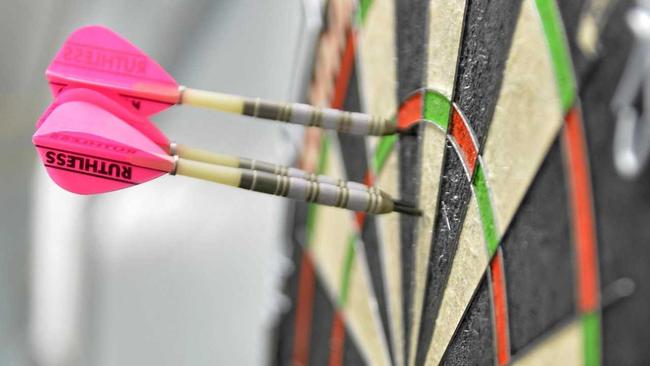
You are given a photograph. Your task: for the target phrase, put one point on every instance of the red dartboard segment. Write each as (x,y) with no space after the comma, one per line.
(410,112)
(337,340)
(304,310)
(582,212)
(462,134)
(500,308)
(347,66)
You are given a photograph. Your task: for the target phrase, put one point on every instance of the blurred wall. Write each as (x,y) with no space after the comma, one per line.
(176,271)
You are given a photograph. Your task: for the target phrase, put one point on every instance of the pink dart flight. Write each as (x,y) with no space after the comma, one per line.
(105,155)
(139,122)
(116,68)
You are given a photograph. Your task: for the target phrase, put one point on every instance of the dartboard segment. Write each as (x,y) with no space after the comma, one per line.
(439,22)
(473,343)
(466,271)
(500,309)
(566,341)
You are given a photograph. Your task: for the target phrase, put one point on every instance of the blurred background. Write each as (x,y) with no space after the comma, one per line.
(176,271)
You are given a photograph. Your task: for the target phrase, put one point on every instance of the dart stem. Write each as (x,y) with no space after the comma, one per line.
(295,113)
(205,156)
(212,100)
(372,201)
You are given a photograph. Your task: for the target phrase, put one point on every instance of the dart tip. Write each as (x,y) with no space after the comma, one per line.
(405,208)
(409,130)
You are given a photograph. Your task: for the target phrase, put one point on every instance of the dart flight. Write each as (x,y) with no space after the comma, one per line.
(97,58)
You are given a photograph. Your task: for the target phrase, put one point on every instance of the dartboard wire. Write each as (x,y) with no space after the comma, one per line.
(444,27)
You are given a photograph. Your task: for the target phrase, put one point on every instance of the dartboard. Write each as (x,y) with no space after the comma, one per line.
(532,247)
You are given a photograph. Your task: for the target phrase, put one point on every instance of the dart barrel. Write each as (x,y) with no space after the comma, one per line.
(327,118)
(372,200)
(295,113)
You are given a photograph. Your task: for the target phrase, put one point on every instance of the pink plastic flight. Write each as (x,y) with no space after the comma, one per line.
(117,69)
(87,149)
(139,122)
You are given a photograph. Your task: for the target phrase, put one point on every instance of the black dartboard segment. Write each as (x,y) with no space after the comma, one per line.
(537,255)
(473,343)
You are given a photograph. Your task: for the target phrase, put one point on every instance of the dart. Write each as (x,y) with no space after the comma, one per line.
(149,129)
(95,57)
(110,154)
(192,153)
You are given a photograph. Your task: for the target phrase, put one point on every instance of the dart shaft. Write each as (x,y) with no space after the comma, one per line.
(372,201)
(295,113)
(191,153)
